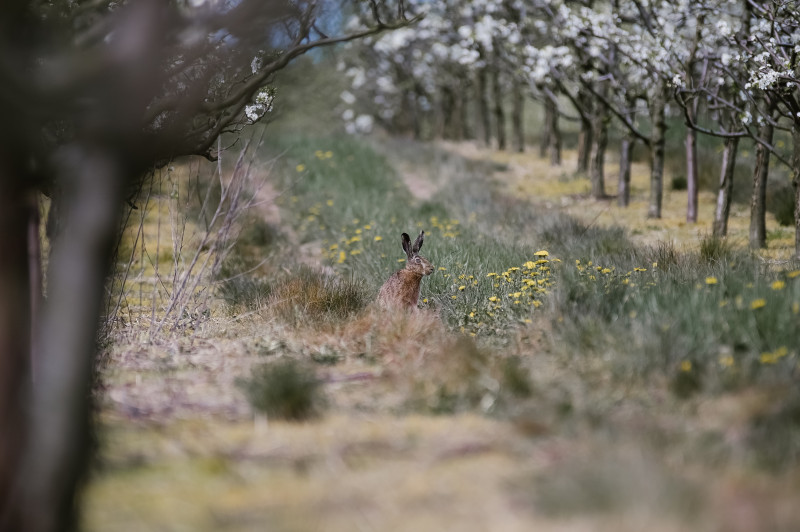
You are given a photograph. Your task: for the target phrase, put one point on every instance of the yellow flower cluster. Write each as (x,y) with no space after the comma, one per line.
(513,294)
(356,235)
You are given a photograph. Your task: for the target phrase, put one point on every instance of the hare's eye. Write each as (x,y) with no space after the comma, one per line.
(418,260)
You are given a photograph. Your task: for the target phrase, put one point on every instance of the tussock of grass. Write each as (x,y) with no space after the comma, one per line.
(310,295)
(284,389)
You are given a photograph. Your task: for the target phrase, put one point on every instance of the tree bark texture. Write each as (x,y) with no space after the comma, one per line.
(585,134)
(483,107)
(598,152)
(14,340)
(59,437)
(553,135)
(544,138)
(499,112)
(758,199)
(658,143)
(517,116)
(796,185)
(725,190)
(691,174)
(624,182)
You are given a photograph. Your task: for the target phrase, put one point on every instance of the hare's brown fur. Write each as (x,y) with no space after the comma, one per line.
(402,288)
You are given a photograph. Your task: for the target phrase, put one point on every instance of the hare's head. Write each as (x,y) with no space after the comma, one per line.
(416,262)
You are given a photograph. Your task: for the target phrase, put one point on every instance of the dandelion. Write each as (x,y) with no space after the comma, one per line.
(328,154)
(461,288)
(342,256)
(640,269)
(605,270)
(726,361)
(401,260)
(758,303)
(300,167)
(329,203)
(778,285)
(686,366)
(711,280)
(378,238)
(493,299)
(793,274)
(442,269)
(795,308)
(492,274)
(541,253)
(529,265)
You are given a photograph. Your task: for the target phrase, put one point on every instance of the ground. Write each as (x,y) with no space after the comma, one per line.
(180,447)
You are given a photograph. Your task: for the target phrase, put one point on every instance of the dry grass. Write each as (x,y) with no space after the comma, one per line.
(423,428)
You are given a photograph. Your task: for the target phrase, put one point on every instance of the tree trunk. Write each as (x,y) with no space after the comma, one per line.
(483,107)
(725,192)
(59,442)
(624,182)
(456,130)
(758,200)
(796,185)
(14,340)
(658,142)
(499,113)
(544,139)
(691,174)
(518,109)
(598,153)
(553,135)
(462,99)
(585,134)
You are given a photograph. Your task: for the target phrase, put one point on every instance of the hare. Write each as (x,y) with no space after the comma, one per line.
(401,290)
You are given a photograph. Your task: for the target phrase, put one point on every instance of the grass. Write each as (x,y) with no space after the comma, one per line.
(561,368)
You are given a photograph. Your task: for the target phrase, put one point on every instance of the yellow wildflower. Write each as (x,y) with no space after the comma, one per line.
(686,365)
(793,274)
(300,167)
(541,253)
(493,299)
(758,303)
(461,288)
(378,238)
(711,280)
(342,256)
(778,285)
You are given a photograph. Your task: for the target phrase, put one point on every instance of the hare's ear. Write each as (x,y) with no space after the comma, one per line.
(418,242)
(407,244)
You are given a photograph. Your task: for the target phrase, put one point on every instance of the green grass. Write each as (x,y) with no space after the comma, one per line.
(644,309)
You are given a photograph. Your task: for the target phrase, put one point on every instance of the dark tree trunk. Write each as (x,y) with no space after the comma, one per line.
(585,134)
(462,99)
(544,138)
(624,182)
(59,442)
(796,185)
(598,152)
(483,107)
(758,200)
(499,112)
(658,142)
(15,330)
(691,174)
(553,134)
(517,116)
(725,191)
